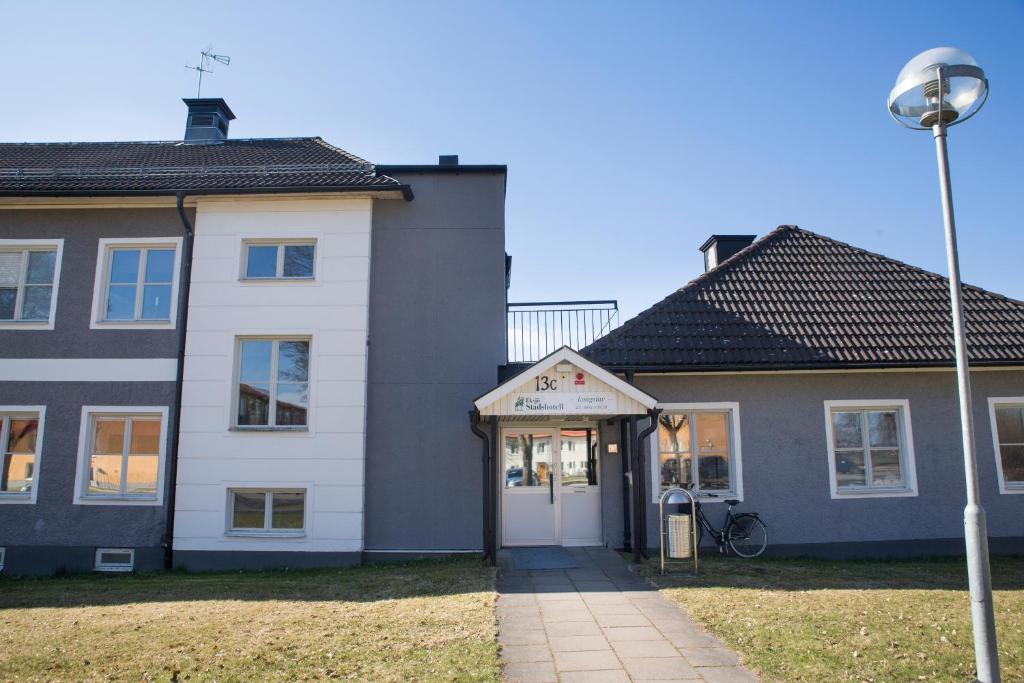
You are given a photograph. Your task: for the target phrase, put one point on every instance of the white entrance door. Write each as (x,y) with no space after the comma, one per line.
(550,491)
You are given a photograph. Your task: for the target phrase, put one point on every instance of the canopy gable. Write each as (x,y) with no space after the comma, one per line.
(565,383)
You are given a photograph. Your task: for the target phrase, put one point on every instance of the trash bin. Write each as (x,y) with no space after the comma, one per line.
(680,537)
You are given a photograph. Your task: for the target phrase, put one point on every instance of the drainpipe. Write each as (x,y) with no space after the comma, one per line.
(474,417)
(641,486)
(183,293)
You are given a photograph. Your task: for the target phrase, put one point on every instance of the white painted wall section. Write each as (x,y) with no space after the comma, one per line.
(327,460)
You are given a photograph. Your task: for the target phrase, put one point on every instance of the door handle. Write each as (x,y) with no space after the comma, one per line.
(551,488)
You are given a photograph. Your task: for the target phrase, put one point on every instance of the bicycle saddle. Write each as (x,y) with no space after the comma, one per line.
(731,501)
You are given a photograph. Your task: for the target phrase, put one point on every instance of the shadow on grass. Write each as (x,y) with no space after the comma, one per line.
(944,573)
(365,583)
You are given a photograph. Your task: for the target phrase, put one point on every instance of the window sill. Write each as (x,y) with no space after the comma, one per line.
(873,493)
(26,325)
(16,499)
(255,533)
(1011,488)
(132,325)
(272,430)
(116,500)
(276,280)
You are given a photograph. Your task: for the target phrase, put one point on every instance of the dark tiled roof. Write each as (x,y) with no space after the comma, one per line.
(259,164)
(797,299)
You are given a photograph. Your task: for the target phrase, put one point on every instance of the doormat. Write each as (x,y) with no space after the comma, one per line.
(553,557)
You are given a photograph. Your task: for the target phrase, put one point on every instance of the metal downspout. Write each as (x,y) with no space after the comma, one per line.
(474,416)
(641,484)
(183,295)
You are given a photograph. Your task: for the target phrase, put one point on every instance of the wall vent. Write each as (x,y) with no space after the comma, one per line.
(115,559)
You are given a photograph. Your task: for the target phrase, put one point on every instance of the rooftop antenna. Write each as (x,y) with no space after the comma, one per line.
(205,64)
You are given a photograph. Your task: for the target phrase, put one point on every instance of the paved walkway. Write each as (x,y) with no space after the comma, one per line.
(601,623)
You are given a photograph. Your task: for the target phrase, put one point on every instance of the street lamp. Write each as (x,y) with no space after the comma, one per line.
(939,88)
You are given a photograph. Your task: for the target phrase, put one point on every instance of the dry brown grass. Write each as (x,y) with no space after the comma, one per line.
(415,621)
(806,620)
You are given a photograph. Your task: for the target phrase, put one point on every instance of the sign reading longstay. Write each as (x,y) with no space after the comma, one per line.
(552,403)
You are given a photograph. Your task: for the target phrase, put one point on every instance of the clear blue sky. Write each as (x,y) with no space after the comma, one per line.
(631,130)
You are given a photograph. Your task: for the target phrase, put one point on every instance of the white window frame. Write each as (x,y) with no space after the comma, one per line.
(85,447)
(267,531)
(7,498)
(101,284)
(38,245)
(280,243)
(272,417)
(104,567)
(3,558)
(1003,402)
(906,435)
(735,449)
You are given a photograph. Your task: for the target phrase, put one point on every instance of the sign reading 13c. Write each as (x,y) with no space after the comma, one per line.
(545,383)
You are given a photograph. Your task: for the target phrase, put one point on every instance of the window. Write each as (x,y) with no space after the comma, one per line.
(1007,415)
(279,260)
(3,558)
(121,455)
(698,444)
(273,383)
(273,511)
(20,439)
(870,448)
(136,283)
(28,282)
(115,559)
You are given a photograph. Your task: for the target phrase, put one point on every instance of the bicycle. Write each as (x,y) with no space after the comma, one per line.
(746,534)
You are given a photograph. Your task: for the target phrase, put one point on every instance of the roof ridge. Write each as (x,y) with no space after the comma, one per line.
(298,138)
(320,141)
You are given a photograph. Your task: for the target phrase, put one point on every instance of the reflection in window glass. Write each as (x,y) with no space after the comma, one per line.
(868,450)
(527,458)
(139,284)
(273,372)
(279,261)
(267,510)
(125,456)
(26,284)
(18,436)
(701,432)
(579,457)
(1010,435)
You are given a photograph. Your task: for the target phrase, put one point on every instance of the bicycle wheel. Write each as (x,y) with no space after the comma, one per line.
(747,535)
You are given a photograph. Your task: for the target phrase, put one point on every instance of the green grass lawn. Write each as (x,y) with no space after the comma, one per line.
(430,620)
(808,620)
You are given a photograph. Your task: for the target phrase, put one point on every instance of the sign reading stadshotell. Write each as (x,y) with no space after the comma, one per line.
(550,403)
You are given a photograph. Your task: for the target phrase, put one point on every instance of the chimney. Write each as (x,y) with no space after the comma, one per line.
(448,160)
(208,119)
(720,247)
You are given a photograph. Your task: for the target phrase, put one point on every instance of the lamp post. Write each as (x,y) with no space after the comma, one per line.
(939,88)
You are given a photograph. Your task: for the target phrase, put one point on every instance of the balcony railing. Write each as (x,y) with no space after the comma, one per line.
(536,328)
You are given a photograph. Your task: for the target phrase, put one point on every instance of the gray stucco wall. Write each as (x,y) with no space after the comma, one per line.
(54,534)
(437,335)
(785,462)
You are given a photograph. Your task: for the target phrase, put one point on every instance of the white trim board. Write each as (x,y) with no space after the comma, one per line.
(565,354)
(993,401)
(88,369)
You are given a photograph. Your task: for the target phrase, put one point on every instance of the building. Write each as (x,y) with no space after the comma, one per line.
(809,380)
(221,353)
(261,250)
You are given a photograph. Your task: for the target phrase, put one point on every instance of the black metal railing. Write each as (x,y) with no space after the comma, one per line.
(536,328)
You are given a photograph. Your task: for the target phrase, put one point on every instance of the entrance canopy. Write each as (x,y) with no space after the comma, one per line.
(566,384)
